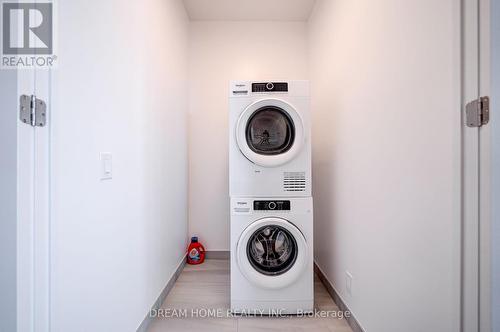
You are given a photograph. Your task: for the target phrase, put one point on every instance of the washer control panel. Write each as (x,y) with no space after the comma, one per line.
(270,87)
(271,205)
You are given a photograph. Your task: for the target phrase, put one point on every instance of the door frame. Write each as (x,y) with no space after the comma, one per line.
(476,172)
(485,174)
(33,208)
(494,139)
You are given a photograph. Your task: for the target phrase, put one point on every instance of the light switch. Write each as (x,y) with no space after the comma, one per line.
(348,282)
(106,166)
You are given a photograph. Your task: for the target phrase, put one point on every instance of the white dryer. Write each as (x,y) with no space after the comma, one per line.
(269,139)
(272,255)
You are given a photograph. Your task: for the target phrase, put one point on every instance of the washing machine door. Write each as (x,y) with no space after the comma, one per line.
(271,253)
(270,132)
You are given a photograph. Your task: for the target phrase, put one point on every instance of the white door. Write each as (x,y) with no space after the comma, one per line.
(8,190)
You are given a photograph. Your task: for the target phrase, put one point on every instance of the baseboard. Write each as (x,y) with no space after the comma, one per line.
(217,254)
(353,322)
(159,301)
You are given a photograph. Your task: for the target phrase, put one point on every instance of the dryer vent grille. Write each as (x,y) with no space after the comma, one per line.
(294,181)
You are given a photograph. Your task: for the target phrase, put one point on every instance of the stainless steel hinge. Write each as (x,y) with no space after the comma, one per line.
(478,112)
(32,111)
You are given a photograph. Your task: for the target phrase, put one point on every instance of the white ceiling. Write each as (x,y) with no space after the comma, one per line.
(249,10)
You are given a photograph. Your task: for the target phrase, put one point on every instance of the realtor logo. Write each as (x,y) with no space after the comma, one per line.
(27,29)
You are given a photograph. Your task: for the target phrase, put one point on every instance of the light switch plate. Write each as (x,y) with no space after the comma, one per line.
(348,282)
(106,166)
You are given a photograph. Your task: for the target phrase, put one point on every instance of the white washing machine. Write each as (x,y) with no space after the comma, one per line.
(269,139)
(272,255)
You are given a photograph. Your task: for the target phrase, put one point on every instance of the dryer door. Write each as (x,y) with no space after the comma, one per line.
(271,253)
(270,132)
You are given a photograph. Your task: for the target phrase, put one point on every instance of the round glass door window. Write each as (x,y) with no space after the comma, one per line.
(270,131)
(272,250)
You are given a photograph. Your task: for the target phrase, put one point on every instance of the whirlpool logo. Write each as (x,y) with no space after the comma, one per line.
(27,34)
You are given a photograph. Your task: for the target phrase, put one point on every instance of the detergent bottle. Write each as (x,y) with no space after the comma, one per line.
(196,252)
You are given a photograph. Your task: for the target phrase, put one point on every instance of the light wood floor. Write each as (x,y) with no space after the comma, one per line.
(207,286)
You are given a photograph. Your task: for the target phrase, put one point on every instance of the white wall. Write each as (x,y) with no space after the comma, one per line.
(121,88)
(220,52)
(386,121)
(8,199)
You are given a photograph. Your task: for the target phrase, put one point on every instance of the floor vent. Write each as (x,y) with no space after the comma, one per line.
(294,181)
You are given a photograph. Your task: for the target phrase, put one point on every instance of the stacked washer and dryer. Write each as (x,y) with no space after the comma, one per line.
(271,203)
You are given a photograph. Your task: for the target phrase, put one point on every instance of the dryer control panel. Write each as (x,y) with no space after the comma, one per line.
(271,205)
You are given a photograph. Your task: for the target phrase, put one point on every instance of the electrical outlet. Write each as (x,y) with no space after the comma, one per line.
(348,282)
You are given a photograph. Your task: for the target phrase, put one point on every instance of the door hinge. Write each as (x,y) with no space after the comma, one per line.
(478,112)
(32,111)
